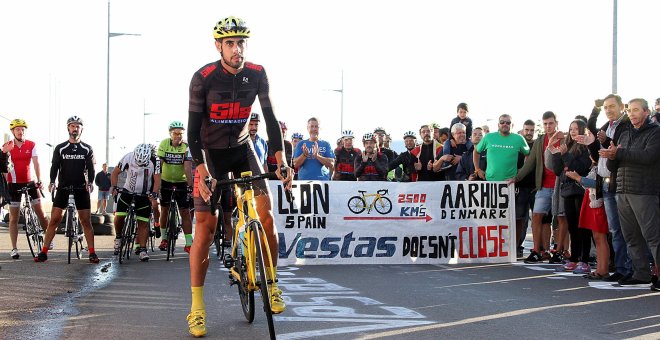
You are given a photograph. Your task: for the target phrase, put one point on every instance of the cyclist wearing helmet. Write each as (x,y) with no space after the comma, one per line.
(176,163)
(406,160)
(345,158)
(144,171)
(221,98)
(372,166)
(288,150)
(260,145)
(72,165)
(20,152)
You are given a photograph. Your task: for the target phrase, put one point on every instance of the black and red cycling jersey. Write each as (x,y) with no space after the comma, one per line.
(271,161)
(371,170)
(220,107)
(345,164)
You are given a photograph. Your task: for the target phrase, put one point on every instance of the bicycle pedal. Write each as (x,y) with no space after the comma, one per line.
(228,261)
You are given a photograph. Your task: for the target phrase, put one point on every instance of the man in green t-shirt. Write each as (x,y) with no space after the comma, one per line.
(503,148)
(176,175)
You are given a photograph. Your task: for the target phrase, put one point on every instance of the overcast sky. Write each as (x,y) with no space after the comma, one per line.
(404,63)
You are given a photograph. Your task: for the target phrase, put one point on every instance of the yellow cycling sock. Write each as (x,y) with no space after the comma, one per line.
(270,271)
(197,298)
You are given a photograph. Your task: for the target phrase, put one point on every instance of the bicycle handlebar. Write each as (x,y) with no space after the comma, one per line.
(248,179)
(26,188)
(132,194)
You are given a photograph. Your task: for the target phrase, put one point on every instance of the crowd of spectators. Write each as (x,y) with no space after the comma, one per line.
(590,185)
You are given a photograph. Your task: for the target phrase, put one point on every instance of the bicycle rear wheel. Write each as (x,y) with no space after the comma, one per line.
(78,239)
(258,233)
(219,237)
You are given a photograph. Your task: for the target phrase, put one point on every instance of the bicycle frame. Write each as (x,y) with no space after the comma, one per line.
(248,258)
(377,197)
(247,214)
(33,228)
(71,224)
(129,230)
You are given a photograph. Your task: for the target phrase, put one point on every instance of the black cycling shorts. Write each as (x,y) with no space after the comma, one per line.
(15,194)
(142,206)
(181,196)
(235,160)
(80,195)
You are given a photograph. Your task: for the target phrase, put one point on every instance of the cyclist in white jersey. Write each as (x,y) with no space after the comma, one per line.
(143,177)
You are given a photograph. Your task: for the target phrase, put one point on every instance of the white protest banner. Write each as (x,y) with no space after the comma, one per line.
(395,223)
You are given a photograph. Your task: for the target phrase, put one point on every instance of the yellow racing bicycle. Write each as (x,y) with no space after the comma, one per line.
(250,251)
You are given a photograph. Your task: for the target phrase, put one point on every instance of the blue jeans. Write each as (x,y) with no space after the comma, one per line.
(622,260)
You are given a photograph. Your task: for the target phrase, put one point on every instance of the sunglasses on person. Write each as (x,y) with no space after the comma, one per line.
(505,122)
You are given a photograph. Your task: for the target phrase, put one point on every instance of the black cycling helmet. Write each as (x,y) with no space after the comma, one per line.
(74,119)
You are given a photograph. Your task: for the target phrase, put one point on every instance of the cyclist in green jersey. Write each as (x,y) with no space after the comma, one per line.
(176,173)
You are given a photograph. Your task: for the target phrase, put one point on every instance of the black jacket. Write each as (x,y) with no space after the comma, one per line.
(637,161)
(578,162)
(407,160)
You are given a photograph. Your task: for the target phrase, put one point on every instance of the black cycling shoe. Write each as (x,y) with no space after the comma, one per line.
(556,258)
(614,277)
(41,257)
(534,257)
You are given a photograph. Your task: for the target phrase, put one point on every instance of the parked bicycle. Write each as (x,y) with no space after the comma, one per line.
(33,229)
(72,227)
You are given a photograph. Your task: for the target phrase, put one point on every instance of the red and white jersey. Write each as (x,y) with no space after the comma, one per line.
(21,158)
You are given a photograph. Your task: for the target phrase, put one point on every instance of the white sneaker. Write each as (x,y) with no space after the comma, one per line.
(144,257)
(51,245)
(14,254)
(117,246)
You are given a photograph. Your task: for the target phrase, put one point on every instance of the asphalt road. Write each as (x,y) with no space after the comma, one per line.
(151,300)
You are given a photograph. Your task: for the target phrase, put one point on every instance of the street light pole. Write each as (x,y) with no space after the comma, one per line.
(107,88)
(144,121)
(341,114)
(614,47)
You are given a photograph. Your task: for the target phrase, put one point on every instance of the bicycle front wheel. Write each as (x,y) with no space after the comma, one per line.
(246,296)
(32,233)
(383,205)
(70,234)
(172,235)
(259,235)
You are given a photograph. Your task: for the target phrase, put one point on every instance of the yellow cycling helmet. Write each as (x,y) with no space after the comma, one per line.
(16,123)
(231,27)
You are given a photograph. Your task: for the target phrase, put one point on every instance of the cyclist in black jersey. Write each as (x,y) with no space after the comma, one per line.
(221,98)
(73,160)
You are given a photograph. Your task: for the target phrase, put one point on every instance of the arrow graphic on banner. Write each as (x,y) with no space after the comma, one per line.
(378,218)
